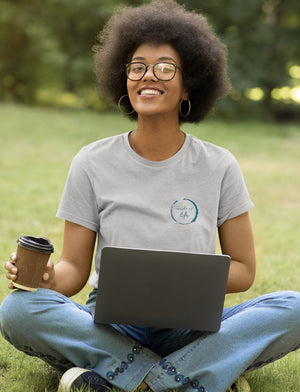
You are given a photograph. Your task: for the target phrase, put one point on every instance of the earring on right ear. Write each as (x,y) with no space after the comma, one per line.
(120,107)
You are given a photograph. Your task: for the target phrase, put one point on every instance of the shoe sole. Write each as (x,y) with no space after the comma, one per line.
(69,377)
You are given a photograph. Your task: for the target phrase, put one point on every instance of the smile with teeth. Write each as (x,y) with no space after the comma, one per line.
(150,92)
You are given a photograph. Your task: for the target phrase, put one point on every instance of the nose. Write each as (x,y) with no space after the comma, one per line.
(149,72)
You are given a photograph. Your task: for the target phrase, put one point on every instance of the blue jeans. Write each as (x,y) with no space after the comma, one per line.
(48,325)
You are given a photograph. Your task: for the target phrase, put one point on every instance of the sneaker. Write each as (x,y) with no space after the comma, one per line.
(240,385)
(79,379)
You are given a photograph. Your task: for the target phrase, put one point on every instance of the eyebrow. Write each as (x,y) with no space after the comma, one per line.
(159,59)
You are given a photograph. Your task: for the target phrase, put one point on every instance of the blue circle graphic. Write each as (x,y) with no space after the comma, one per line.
(184,211)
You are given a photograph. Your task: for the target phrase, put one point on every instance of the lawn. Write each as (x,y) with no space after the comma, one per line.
(36,148)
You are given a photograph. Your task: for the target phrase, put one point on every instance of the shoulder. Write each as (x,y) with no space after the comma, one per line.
(103,149)
(212,154)
(103,145)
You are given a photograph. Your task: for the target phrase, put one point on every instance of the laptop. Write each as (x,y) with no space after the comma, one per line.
(163,289)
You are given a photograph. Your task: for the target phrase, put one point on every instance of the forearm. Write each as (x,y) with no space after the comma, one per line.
(236,239)
(68,278)
(73,269)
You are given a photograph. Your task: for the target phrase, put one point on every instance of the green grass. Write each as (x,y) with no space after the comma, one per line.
(36,148)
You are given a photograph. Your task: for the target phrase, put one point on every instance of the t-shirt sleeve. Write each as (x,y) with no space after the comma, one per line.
(78,203)
(234,195)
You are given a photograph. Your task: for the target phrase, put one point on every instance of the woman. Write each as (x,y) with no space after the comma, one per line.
(164,66)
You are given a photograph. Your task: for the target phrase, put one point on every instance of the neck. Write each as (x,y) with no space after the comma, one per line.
(156,140)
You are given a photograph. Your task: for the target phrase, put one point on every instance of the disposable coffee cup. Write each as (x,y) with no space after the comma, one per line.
(32,257)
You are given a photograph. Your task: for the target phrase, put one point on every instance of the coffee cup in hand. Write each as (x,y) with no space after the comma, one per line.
(32,257)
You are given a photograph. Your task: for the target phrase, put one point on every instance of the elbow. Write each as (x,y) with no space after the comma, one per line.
(241,277)
(248,280)
(248,283)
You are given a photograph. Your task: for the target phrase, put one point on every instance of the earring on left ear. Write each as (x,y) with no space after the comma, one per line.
(188,110)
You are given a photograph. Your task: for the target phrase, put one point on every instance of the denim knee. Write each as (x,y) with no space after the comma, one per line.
(289,319)
(14,312)
(291,301)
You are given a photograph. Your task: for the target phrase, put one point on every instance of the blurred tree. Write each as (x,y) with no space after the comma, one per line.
(262,37)
(49,43)
(75,24)
(19,50)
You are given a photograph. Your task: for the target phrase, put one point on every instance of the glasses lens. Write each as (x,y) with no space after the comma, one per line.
(135,71)
(164,71)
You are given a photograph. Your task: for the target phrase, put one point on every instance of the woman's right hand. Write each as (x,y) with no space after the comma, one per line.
(12,269)
(72,271)
(48,279)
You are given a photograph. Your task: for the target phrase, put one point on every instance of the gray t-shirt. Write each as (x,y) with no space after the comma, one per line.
(175,204)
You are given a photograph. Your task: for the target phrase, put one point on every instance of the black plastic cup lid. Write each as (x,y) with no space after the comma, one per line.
(37,244)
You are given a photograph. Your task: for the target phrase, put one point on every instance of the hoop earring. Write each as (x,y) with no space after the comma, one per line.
(120,107)
(189,108)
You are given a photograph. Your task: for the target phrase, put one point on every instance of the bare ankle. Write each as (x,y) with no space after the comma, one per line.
(144,387)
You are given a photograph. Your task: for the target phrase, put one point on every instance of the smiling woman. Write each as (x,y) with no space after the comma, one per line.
(203,58)
(156,95)
(158,89)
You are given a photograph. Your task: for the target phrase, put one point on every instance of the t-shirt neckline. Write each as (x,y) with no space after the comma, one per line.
(164,162)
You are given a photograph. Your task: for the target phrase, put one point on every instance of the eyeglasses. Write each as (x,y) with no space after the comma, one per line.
(162,71)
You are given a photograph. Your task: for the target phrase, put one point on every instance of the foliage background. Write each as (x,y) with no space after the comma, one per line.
(46,56)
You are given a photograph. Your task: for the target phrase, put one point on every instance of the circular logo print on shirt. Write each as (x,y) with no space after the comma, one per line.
(184,211)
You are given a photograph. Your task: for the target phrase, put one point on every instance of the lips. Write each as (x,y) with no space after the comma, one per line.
(149,92)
